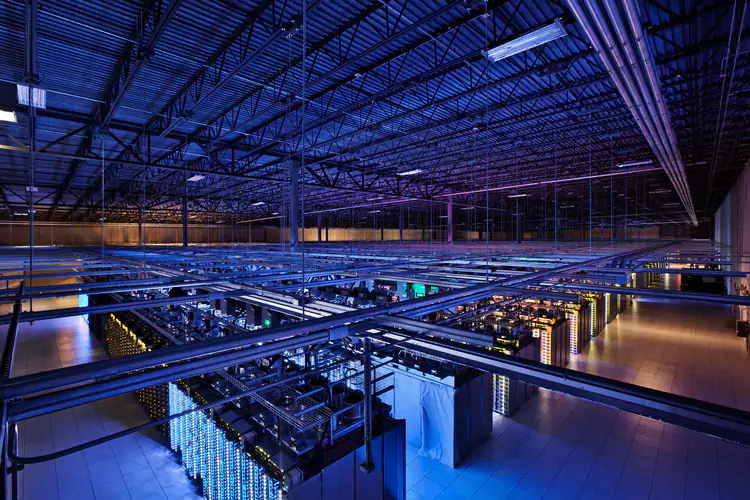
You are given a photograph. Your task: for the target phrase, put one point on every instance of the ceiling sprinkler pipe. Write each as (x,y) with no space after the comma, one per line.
(638,100)
(647,107)
(654,102)
(631,12)
(646,100)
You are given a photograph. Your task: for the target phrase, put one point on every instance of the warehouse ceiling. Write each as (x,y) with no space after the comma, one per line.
(393,105)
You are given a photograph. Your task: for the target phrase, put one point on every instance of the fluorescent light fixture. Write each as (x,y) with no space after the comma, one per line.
(38,96)
(660,191)
(8,116)
(671,205)
(21,213)
(532,39)
(374,211)
(567,206)
(443,217)
(259,204)
(635,163)
(410,172)
(196,178)
(275,213)
(468,208)
(517,195)
(374,199)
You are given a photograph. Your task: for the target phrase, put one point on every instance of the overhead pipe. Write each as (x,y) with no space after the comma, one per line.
(203,352)
(630,72)
(64,377)
(76,396)
(655,101)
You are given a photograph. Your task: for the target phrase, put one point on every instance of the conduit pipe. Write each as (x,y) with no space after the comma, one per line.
(202,353)
(614,30)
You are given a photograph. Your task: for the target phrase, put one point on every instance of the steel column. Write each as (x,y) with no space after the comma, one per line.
(401,225)
(367,466)
(185,241)
(450,220)
(293,206)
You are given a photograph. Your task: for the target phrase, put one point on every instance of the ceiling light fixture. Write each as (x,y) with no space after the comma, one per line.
(517,195)
(8,116)
(635,163)
(410,172)
(532,39)
(38,96)
(258,204)
(196,178)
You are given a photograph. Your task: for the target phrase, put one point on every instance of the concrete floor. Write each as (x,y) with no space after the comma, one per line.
(686,348)
(135,467)
(560,447)
(555,447)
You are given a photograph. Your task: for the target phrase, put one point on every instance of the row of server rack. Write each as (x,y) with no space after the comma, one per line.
(297,440)
(551,340)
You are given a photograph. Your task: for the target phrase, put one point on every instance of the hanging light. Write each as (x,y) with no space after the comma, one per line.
(635,163)
(410,172)
(8,116)
(532,39)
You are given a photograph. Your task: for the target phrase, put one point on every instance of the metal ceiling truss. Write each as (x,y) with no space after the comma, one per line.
(385,90)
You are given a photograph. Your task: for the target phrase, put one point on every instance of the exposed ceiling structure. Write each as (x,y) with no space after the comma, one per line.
(392,104)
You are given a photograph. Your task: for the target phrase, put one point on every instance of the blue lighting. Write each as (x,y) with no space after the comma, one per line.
(83,301)
(226,470)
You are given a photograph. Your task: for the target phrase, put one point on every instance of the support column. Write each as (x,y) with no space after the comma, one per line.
(320,227)
(32,80)
(401,225)
(293,206)
(450,220)
(367,466)
(185,218)
(141,220)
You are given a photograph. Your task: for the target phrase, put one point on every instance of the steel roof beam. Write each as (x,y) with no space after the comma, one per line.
(211,78)
(148,31)
(235,111)
(149,28)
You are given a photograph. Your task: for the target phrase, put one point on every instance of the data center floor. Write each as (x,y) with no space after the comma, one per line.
(686,348)
(135,467)
(561,447)
(555,447)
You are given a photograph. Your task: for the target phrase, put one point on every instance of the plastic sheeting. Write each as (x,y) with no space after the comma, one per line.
(437,422)
(443,422)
